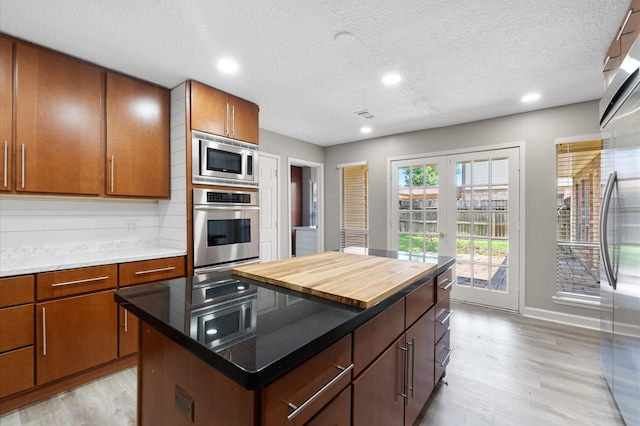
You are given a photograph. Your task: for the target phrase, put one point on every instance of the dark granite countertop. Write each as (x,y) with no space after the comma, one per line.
(283,329)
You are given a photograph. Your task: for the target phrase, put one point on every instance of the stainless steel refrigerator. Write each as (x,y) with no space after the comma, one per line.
(620,237)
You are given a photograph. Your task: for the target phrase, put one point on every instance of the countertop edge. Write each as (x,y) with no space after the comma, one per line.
(35,264)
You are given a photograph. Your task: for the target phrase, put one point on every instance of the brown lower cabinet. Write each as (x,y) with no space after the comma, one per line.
(74,334)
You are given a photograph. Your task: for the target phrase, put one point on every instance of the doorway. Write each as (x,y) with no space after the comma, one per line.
(464,205)
(305,195)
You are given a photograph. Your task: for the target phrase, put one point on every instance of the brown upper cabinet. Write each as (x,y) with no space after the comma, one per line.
(58,123)
(6,109)
(216,112)
(137,161)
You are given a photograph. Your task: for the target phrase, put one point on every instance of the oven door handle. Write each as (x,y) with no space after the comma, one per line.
(205,270)
(239,208)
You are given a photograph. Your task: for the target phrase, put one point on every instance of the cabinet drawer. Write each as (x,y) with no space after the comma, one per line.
(442,322)
(373,337)
(337,412)
(443,353)
(16,371)
(151,270)
(76,281)
(16,327)
(308,387)
(16,290)
(418,302)
(444,283)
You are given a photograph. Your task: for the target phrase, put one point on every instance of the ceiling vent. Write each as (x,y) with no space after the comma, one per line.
(364,114)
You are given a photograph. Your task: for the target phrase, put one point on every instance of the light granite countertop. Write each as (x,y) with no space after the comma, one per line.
(47,258)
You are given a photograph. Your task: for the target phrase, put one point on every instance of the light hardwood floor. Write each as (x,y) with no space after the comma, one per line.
(505,370)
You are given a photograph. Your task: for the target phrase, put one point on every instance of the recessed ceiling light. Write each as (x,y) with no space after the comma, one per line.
(391,79)
(227,65)
(366,130)
(531,97)
(343,37)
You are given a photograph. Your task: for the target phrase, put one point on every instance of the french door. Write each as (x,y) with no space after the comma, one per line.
(462,205)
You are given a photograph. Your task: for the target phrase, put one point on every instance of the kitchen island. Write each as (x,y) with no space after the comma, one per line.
(264,354)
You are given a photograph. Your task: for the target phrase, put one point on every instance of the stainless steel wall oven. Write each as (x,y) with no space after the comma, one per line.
(226,229)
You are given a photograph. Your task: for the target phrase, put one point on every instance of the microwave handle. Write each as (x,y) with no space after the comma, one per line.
(217,207)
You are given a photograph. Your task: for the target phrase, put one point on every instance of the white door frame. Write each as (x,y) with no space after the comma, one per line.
(320,219)
(515,144)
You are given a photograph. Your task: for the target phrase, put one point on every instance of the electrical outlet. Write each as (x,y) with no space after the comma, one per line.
(131,225)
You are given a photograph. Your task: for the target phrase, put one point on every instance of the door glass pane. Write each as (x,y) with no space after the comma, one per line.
(482,223)
(480,173)
(418,209)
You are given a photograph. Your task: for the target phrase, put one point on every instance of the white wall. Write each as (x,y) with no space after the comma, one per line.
(285,148)
(39,220)
(537,129)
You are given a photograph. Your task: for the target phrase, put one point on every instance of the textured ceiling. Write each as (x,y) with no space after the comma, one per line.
(460,61)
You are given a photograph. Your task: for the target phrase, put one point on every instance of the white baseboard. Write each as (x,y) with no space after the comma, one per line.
(562,318)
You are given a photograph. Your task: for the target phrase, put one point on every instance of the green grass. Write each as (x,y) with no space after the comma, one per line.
(498,247)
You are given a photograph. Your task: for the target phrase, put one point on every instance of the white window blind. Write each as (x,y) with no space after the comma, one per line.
(354,206)
(578,212)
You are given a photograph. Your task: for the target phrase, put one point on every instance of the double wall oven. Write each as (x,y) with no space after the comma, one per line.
(226,229)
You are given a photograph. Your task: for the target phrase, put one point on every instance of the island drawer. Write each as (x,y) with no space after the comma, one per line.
(419,301)
(443,352)
(16,327)
(76,281)
(373,337)
(16,290)
(444,284)
(146,271)
(300,394)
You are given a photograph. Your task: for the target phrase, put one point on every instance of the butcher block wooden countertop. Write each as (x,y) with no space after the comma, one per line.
(354,279)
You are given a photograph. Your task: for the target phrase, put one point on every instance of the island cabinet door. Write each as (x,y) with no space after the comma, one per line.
(74,334)
(420,365)
(378,393)
(304,391)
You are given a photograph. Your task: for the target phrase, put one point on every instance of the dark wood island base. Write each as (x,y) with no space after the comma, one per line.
(372,366)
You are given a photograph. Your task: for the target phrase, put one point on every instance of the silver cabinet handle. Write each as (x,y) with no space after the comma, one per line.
(226,124)
(448,283)
(23,162)
(88,280)
(604,213)
(298,409)
(112,167)
(233,120)
(405,372)
(44,331)
(6,151)
(624,24)
(151,271)
(126,321)
(412,386)
(446,318)
(446,358)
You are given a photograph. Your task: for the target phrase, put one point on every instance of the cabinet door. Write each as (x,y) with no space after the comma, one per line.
(74,334)
(137,138)
(127,332)
(208,109)
(58,123)
(6,109)
(243,120)
(377,393)
(420,368)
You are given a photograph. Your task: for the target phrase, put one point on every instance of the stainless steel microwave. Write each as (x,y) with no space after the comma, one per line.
(222,161)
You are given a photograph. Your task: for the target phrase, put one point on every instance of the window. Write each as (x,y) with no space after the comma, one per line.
(578,214)
(354,205)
